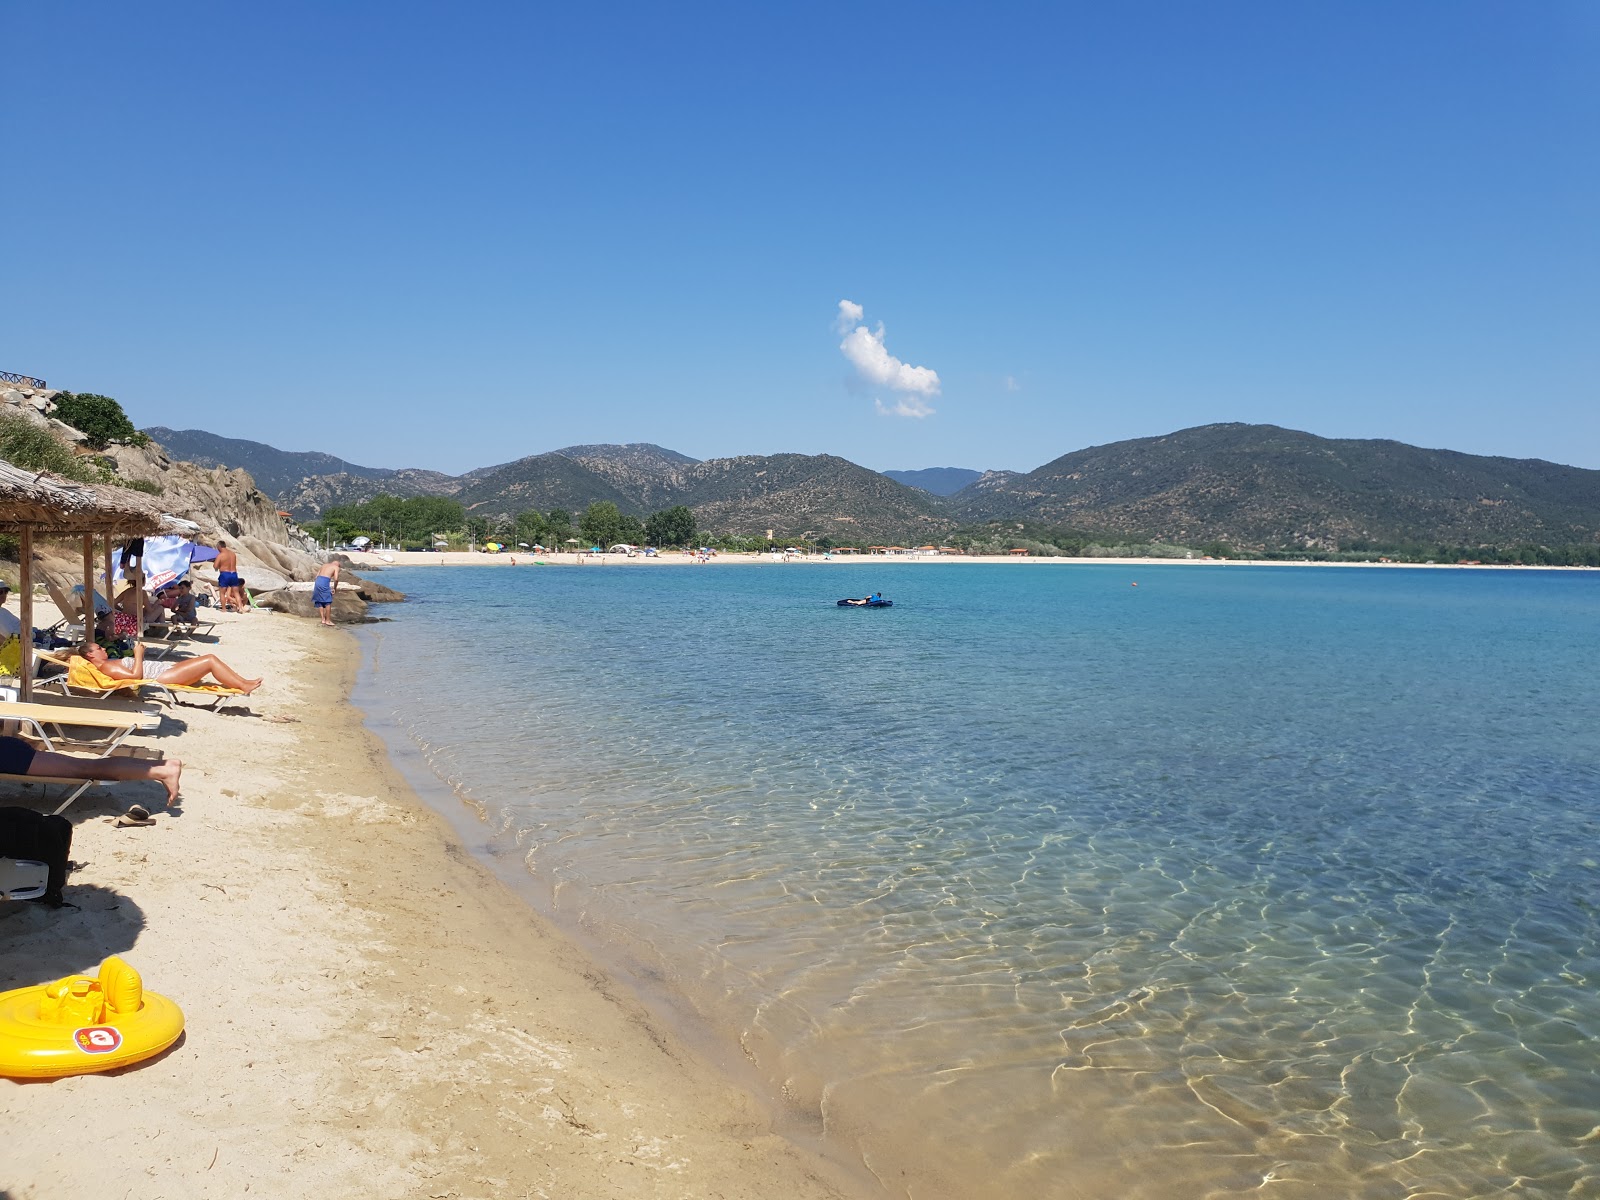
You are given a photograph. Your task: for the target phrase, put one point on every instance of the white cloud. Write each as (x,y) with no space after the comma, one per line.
(1012,385)
(865,349)
(904,406)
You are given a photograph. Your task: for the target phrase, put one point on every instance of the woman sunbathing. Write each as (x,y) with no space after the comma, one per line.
(190,671)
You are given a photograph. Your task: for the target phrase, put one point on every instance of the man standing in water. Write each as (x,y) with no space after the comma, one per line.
(322,591)
(229,584)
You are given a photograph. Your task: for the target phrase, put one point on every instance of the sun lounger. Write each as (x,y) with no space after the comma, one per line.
(61,727)
(71,608)
(83,678)
(191,628)
(79,786)
(58,725)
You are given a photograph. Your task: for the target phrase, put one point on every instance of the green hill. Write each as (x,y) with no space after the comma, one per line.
(791,494)
(817,494)
(1260,486)
(1255,487)
(279,473)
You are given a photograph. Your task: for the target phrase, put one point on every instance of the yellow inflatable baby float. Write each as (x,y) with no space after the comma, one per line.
(83,1024)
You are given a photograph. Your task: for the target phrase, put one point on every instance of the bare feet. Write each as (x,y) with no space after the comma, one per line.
(251,685)
(168,772)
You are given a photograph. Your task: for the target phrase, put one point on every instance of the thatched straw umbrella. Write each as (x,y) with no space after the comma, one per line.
(41,503)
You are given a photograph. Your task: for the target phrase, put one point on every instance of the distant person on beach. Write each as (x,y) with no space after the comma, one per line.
(19,758)
(229,585)
(188,671)
(322,591)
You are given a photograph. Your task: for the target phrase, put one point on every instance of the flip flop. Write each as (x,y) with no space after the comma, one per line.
(137,815)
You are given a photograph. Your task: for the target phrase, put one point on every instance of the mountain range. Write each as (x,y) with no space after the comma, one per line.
(941,481)
(1252,486)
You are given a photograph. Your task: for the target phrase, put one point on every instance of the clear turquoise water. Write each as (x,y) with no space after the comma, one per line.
(1246,880)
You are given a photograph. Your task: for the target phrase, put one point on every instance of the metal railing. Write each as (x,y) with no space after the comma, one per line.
(24,380)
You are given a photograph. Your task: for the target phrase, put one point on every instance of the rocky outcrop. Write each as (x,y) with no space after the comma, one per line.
(37,405)
(348,606)
(223,503)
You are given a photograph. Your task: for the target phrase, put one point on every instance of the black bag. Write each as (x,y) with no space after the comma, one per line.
(47,839)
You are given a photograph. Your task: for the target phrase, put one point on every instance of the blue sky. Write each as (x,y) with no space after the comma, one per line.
(446,235)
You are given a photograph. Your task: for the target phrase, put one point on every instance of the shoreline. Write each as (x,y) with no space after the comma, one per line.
(377,561)
(370,1011)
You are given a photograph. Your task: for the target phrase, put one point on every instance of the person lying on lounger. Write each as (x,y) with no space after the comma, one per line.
(19,758)
(190,671)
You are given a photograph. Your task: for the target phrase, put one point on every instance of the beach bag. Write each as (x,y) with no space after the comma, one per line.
(47,839)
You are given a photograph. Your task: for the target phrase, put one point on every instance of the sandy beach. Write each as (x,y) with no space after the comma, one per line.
(370,1013)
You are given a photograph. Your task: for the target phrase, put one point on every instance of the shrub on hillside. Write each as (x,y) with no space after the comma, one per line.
(34,448)
(99,418)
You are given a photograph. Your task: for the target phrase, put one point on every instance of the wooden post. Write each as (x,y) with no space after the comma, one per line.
(110,591)
(25,669)
(88,588)
(138,602)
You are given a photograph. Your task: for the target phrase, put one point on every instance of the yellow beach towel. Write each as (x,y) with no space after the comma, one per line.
(11,656)
(81,673)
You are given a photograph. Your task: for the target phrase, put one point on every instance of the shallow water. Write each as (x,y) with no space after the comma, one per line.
(1267,880)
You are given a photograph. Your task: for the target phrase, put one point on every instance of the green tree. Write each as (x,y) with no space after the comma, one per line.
(670,527)
(558,526)
(530,527)
(476,528)
(425,516)
(601,524)
(99,418)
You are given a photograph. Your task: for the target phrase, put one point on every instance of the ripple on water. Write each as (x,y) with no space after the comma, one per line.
(1267,881)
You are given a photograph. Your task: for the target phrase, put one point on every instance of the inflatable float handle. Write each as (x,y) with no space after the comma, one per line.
(121,986)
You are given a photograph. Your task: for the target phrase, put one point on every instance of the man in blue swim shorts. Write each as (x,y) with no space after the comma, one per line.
(322,591)
(230,588)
